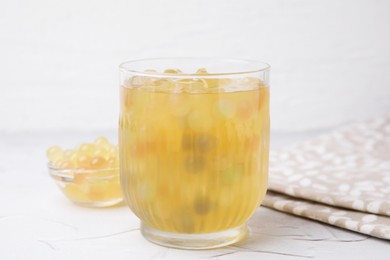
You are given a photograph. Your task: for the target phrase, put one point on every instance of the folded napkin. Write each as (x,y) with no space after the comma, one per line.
(341,178)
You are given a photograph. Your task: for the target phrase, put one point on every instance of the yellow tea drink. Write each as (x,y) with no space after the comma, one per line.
(193,152)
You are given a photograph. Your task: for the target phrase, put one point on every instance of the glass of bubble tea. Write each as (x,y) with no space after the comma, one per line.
(193,145)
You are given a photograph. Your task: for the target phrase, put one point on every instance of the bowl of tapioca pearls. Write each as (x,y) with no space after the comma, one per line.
(88,175)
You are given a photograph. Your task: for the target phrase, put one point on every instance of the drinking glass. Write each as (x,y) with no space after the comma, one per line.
(193,145)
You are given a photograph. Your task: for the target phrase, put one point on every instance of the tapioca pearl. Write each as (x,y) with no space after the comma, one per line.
(66,164)
(225,108)
(87,149)
(191,85)
(146,191)
(102,153)
(112,150)
(179,104)
(81,177)
(102,142)
(172,71)
(202,204)
(162,85)
(232,174)
(55,154)
(245,110)
(98,162)
(139,81)
(98,191)
(199,120)
(212,83)
(203,142)
(187,141)
(250,83)
(194,164)
(68,153)
(113,162)
(202,71)
(84,162)
(184,221)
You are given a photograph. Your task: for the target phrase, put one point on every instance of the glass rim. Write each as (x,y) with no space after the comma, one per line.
(124,67)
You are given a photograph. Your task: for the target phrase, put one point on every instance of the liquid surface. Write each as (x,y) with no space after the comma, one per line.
(195,159)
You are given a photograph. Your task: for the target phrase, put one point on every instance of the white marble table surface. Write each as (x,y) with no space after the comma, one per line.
(37,222)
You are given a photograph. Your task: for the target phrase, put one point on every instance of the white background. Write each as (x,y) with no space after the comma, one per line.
(58,59)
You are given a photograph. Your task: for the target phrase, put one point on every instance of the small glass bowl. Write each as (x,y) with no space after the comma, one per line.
(90,188)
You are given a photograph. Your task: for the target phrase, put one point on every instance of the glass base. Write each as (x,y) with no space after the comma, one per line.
(195,241)
(99,204)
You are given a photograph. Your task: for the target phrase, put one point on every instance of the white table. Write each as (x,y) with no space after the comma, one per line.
(37,222)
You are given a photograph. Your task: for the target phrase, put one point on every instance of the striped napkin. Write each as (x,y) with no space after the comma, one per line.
(341,178)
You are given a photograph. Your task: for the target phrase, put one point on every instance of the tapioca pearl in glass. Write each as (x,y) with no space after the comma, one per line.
(232,174)
(172,71)
(146,191)
(191,85)
(194,164)
(202,71)
(202,204)
(203,142)
(225,108)
(184,221)
(200,120)
(161,85)
(187,140)
(139,82)
(245,109)
(179,104)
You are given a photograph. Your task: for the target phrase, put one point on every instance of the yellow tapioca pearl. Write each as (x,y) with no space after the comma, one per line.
(113,162)
(102,153)
(202,71)
(83,161)
(179,104)
(162,85)
(87,149)
(66,164)
(225,108)
(202,204)
(191,85)
(55,154)
(146,191)
(200,120)
(172,71)
(97,191)
(102,142)
(232,174)
(98,162)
